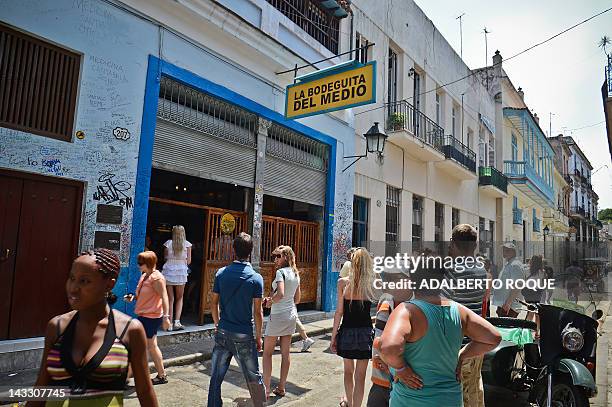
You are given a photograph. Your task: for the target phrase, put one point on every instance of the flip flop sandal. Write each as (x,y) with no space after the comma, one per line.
(278,392)
(344,403)
(159,380)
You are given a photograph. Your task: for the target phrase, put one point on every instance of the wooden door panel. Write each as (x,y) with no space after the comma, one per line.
(47,246)
(10,207)
(218,251)
(303,237)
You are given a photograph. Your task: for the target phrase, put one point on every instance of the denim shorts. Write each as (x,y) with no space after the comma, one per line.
(151,325)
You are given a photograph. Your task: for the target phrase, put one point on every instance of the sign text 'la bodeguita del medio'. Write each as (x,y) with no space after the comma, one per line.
(347,86)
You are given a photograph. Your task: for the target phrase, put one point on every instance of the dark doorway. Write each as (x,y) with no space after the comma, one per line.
(178,199)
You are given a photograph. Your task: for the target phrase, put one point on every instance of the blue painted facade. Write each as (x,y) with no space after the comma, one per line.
(123,59)
(533,171)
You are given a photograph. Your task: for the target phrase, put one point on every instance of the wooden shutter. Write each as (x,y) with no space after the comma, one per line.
(38,86)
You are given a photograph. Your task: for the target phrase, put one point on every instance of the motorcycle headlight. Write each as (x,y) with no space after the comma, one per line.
(572,339)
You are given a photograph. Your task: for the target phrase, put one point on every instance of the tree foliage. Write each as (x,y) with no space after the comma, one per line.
(605,215)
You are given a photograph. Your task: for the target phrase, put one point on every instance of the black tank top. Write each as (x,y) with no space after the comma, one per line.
(357,314)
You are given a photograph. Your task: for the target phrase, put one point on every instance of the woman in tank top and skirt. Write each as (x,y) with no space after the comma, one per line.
(353,333)
(177,252)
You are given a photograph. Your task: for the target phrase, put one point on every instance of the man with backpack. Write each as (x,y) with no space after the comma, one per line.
(236,300)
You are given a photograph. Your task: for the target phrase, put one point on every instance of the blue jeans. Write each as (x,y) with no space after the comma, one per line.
(243,348)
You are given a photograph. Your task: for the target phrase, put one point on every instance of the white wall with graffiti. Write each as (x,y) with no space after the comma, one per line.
(115,43)
(103,152)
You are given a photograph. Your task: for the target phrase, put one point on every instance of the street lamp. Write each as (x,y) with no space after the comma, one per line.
(546,232)
(375,143)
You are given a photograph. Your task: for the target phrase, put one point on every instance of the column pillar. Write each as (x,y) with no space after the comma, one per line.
(260,163)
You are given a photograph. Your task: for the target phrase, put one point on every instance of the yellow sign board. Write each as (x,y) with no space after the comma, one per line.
(352,85)
(228,224)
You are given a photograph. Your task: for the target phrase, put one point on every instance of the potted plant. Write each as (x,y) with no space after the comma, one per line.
(397,121)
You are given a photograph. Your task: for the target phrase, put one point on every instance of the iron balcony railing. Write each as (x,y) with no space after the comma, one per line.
(536,225)
(522,169)
(598,224)
(459,152)
(312,18)
(578,210)
(492,176)
(568,179)
(401,115)
(517,216)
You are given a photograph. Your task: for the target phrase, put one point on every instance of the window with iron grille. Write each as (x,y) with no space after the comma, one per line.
(455,217)
(482,233)
(291,146)
(417,218)
(491,230)
(454,121)
(361,55)
(38,85)
(319,23)
(189,107)
(392,77)
(392,221)
(361,208)
(438,109)
(439,222)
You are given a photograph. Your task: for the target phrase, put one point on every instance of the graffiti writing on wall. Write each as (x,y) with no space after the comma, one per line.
(343,222)
(121,133)
(111,191)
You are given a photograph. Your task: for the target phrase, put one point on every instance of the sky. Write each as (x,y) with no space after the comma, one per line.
(563,76)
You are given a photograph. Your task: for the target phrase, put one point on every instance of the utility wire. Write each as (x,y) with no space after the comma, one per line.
(472,73)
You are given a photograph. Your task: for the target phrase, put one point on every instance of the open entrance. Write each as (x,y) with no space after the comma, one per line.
(205,154)
(295,224)
(195,203)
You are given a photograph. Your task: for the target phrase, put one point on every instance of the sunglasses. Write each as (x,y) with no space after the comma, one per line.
(276,256)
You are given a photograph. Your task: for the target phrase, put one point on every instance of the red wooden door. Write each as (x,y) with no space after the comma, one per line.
(10,206)
(47,239)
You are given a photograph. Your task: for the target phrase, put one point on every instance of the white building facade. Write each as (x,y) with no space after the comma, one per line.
(440,166)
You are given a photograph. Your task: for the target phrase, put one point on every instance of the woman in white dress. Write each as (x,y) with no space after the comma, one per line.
(283,315)
(177,253)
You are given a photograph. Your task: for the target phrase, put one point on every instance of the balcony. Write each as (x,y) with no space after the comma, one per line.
(416,133)
(556,217)
(517,216)
(568,179)
(526,179)
(536,225)
(577,211)
(493,182)
(597,223)
(460,161)
(321,20)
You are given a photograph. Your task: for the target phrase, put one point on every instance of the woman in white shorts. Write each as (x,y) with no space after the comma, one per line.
(177,253)
(283,315)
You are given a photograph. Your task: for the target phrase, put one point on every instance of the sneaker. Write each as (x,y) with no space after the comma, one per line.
(178,326)
(306,344)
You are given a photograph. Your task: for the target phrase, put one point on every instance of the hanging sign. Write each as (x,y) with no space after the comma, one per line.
(228,224)
(336,88)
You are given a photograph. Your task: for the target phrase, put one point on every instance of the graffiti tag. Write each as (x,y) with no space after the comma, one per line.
(121,133)
(111,191)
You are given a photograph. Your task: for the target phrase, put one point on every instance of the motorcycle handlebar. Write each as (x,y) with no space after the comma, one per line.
(530,307)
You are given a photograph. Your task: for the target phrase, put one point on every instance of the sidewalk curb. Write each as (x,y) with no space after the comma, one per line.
(204,356)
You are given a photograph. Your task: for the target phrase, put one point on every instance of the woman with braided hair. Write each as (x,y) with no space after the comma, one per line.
(88,350)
